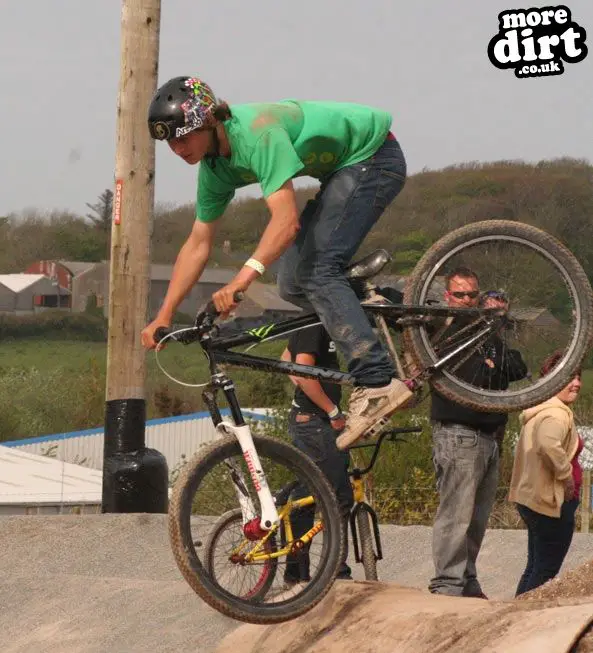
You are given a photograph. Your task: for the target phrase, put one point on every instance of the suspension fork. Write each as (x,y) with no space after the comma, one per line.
(269,515)
(237,477)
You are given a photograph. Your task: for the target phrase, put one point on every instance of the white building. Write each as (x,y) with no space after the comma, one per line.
(18,291)
(177,438)
(31,484)
(63,472)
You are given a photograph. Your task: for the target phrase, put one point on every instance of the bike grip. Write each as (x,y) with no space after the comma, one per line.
(160,333)
(210,309)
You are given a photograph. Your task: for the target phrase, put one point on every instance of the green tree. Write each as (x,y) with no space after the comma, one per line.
(102,211)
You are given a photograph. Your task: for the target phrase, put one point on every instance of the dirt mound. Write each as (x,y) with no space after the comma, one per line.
(576,583)
(383,618)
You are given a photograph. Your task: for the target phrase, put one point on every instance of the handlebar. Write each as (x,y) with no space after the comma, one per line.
(391,436)
(202,324)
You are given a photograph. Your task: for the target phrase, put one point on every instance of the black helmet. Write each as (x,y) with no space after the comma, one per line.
(180,106)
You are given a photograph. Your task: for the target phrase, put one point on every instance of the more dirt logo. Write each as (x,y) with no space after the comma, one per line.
(536,42)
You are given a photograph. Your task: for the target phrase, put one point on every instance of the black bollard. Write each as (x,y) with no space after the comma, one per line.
(135,479)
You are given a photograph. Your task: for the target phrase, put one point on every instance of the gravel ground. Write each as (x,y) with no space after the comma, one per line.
(97,583)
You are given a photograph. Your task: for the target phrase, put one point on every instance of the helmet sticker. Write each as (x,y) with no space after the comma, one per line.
(162,130)
(197,108)
(201,91)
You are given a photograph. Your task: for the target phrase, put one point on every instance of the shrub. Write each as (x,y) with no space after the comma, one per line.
(54,325)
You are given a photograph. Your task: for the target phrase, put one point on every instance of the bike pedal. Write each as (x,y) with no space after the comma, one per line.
(377,428)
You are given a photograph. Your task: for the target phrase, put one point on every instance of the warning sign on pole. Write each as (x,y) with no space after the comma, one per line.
(119,184)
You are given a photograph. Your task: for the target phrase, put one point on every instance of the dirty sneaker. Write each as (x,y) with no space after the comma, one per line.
(368,405)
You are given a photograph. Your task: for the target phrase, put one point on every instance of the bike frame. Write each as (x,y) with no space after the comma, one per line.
(217,351)
(256,553)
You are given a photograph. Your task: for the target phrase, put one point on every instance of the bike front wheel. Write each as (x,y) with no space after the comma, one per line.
(226,542)
(368,557)
(550,311)
(247,580)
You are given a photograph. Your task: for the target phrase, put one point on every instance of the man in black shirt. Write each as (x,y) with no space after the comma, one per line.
(315,421)
(466,450)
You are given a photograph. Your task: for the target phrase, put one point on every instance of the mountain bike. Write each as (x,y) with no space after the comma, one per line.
(550,309)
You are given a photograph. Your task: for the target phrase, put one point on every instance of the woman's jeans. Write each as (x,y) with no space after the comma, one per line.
(548,541)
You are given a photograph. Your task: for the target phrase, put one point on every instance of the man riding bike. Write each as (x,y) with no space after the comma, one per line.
(350,149)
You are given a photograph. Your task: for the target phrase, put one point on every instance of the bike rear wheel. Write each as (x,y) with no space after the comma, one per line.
(551,309)
(205,492)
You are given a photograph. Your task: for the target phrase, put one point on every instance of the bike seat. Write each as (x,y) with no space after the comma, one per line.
(368,266)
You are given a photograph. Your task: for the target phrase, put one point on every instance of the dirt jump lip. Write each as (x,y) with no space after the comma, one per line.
(385,618)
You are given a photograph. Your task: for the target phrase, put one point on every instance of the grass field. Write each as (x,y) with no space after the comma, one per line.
(54,386)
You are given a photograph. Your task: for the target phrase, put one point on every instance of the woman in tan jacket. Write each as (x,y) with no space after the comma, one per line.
(546,481)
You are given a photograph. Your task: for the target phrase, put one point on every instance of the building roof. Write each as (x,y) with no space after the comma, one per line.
(251,413)
(78,267)
(176,438)
(162,272)
(158,271)
(18,282)
(26,478)
(266,295)
(533,314)
(263,294)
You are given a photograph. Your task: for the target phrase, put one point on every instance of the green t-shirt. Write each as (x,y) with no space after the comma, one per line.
(272,143)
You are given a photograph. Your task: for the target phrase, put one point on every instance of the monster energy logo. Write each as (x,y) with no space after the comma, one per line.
(261,332)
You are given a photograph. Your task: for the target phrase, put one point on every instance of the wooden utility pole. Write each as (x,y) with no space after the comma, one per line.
(135,479)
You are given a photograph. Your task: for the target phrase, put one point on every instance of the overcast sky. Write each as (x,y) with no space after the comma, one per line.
(424,61)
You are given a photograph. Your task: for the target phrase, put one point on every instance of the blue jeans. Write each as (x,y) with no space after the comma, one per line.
(317,439)
(548,541)
(333,225)
(466,466)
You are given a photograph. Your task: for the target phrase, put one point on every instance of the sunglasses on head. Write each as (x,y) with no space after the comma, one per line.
(495,294)
(460,294)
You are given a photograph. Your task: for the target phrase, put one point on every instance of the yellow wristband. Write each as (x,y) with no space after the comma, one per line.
(255,265)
